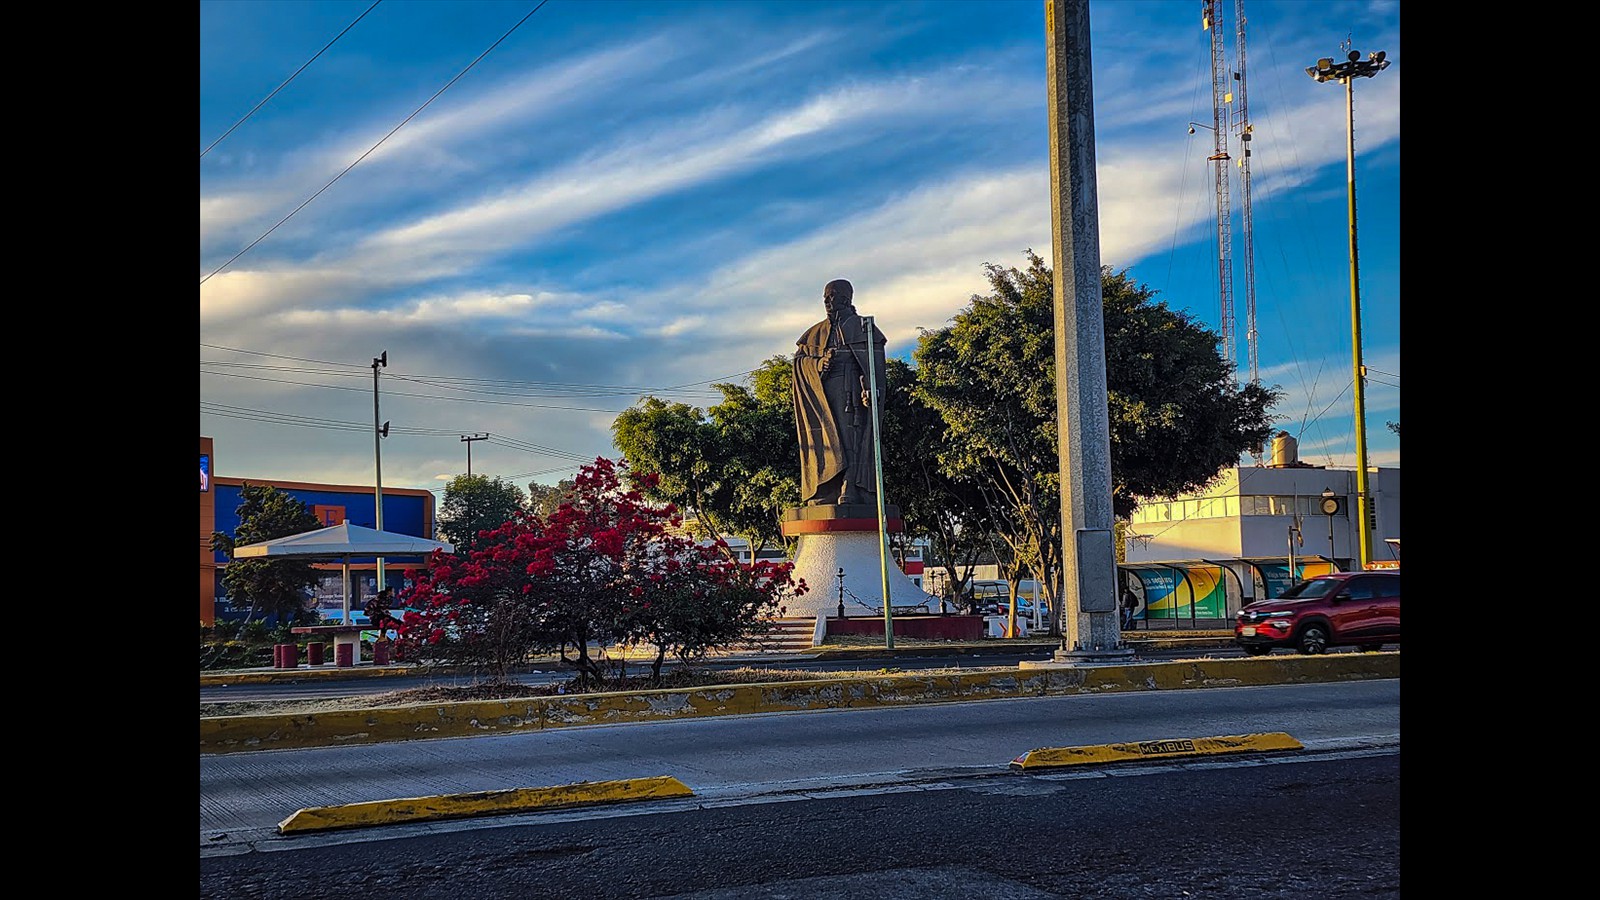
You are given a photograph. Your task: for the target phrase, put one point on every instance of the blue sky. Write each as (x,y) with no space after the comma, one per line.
(624,198)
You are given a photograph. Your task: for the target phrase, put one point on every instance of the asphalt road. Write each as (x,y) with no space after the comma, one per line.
(1325,827)
(755,758)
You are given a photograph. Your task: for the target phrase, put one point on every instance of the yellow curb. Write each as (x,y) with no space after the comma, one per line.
(482,803)
(1050,757)
(227,734)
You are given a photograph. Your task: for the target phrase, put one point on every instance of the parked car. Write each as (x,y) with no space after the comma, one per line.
(1002,607)
(1343,609)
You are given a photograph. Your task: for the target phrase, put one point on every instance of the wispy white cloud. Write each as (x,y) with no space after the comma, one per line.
(681,228)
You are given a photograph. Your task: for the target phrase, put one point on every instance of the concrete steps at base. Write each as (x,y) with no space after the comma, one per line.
(787,636)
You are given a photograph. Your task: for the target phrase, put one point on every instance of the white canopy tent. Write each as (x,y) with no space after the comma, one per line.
(342,542)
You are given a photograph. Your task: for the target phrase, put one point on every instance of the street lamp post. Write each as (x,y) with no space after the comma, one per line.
(1330,508)
(877,461)
(379,432)
(1346,73)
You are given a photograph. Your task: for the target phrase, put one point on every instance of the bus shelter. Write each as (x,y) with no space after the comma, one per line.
(1208,593)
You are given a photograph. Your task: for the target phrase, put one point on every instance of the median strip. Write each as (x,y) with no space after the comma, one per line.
(1095,754)
(481,803)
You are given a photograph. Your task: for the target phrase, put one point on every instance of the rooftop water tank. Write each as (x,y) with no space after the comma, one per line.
(1285,450)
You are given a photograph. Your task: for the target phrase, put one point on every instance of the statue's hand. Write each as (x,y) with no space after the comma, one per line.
(827,360)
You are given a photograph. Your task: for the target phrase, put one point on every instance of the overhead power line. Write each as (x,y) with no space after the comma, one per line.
(374,147)
(278,418)
(287,80)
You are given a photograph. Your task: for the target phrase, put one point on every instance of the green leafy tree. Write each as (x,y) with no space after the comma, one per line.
(733,467)
(606,568)
(988,375)
(543,499)
(676,442)
(476,503)
(755,428)
(1176,417)
(276,586)
(947,512)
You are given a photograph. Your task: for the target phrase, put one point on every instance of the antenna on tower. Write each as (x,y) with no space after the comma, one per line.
(1221,96)
(1224,95)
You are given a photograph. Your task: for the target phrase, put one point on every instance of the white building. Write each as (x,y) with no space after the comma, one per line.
(1255,523)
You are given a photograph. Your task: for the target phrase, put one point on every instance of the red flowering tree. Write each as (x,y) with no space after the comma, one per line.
(691,599)
(473,609)
(604,568)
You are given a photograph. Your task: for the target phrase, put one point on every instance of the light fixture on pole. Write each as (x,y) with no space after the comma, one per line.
(379,432)
(1330,508)
(1346,73)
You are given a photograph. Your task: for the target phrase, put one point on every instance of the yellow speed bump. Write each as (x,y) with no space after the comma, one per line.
(1050,757)
(482,803)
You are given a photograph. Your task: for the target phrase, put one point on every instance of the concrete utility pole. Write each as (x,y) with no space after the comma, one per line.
(468,439)
(1090,630)
(379,432)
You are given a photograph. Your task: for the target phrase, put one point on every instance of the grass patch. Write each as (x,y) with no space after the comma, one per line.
(509,690)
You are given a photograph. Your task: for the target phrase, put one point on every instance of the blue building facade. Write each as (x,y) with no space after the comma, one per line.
(405,511)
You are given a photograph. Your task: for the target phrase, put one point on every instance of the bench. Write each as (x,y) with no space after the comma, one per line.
(342,635)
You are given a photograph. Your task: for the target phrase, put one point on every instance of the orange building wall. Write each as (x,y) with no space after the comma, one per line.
(208,524)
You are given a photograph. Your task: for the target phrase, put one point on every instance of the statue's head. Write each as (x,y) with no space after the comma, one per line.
(837,296)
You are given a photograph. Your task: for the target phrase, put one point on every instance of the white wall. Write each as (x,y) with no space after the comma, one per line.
(1268,535)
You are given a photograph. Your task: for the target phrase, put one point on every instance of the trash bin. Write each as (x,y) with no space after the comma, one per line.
(291,656)
(380,653)
(343,655)
(314,651)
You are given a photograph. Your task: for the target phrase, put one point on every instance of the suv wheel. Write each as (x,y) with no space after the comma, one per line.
(1313,640)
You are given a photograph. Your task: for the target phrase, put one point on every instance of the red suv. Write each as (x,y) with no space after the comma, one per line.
(1344,609)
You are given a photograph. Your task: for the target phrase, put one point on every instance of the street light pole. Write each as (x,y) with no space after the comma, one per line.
(379,432)
(1346,73)
(1330,508)
(877,462)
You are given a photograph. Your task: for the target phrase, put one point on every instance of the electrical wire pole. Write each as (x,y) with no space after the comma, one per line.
(468,439)
(1090,630)
(379,432)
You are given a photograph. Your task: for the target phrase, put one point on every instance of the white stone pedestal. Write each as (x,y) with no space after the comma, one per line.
(819,560)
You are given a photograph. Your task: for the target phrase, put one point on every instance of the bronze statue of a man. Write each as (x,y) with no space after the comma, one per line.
(832,411)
